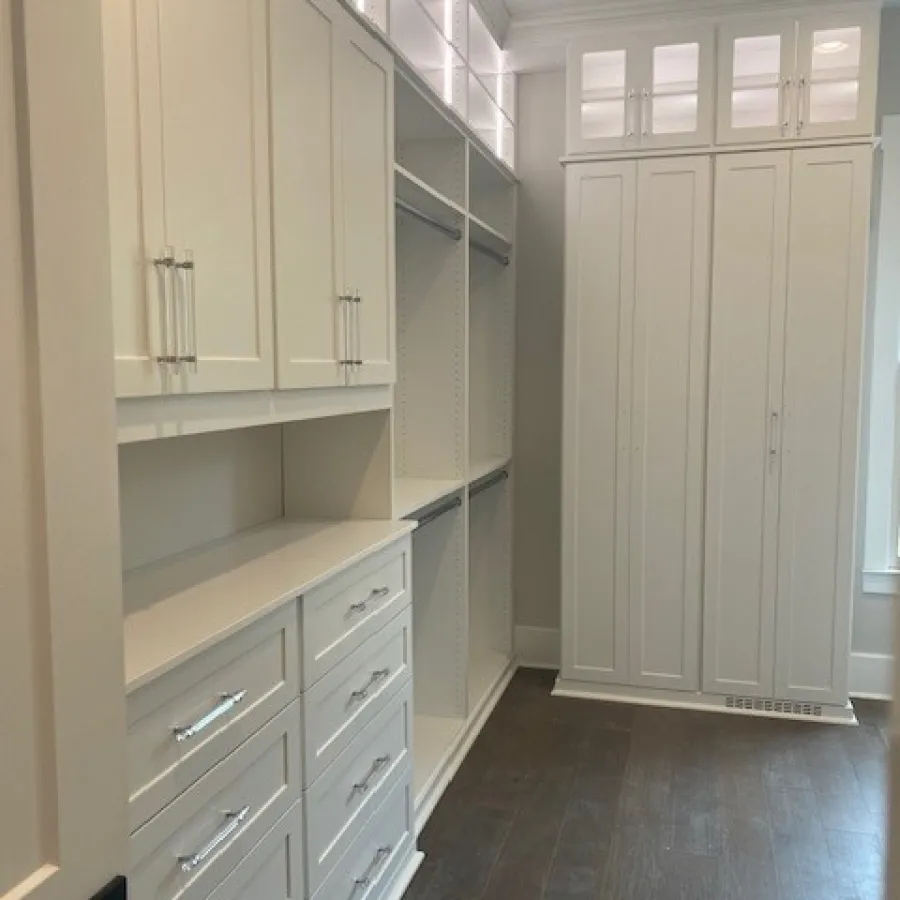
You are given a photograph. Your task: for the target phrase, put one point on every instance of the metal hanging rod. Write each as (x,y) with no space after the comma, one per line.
(501,258)
(449,230)
(487,485)
(437,513)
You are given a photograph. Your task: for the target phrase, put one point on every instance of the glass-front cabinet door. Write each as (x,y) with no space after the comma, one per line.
(677,88)
(837,71)
(603,90)
(756,81)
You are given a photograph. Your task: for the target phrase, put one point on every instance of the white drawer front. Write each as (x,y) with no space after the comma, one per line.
(340,615)
(226,694)
(198,839)
(344,797)
(339,705)
(383,847)
(273,869)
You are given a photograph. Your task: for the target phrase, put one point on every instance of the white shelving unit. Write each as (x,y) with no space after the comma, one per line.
(453,426)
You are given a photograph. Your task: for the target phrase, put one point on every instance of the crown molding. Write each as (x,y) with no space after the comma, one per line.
(537,42)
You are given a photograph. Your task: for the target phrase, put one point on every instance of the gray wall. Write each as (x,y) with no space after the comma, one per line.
(541,142)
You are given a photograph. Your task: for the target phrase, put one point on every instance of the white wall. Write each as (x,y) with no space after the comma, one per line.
(181,493)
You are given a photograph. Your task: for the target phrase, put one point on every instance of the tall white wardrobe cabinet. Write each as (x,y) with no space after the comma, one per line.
(714,312)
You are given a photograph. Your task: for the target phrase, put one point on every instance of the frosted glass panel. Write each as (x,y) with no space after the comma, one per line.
(675,115)
(755,108)
(603,94)
(676,69)
(603,119)
(488,121)
(834,75)
(485,57)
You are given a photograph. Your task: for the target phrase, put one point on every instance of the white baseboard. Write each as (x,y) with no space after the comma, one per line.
(871,676)
(537,648)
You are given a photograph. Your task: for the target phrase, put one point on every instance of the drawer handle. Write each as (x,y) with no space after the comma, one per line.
(226,704)
(375,677)
(380,856)
(376,594)
(363,786)
(233,821)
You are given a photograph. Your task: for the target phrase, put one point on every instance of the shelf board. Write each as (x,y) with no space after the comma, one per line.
(483,233)
(179,607)
(482,468)
(485,669)
(412,190)
(413,494)
(434,739)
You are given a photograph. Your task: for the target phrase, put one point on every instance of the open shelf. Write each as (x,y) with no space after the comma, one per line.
(413,190)
(414,494)
(482,468)
(482,233)
(434,738)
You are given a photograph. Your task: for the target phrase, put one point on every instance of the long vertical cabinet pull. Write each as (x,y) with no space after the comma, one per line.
(632,116)
(645,102)
(357,322)
(774,421)
(802,104)
(169,318)
(191,354)
(786,85)
(346,301)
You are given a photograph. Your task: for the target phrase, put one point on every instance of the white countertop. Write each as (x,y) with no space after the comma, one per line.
(179,607)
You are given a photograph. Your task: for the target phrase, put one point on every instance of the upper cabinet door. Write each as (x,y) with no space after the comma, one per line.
(204,124)
(365,85)
(677,88)
(837,74)
(756,84)
(603,94)
(311,318)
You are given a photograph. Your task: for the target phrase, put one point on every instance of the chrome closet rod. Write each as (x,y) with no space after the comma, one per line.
(487,485)
(449,230)
(437,513)
(501,258)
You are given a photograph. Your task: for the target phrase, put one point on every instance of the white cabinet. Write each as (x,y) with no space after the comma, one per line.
(189,173)
(641,91)
(636,297)
(788,78)
(332,156)
(787,312)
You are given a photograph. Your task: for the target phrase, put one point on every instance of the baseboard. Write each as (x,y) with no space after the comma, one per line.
(871,676)
(537,648)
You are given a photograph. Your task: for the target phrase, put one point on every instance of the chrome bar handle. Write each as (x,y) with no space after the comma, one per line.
(226,704)
(801,105)
(361,787)
(645,101)
(629,112)
(357,352)
(190,312)
(785,111)
(346,300)
(375,594)
(380,856)
(233,821)
(374,678)
(163,264)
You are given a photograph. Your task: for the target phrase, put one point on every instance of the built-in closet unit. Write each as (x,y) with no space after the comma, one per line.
(714,313)
(455,209)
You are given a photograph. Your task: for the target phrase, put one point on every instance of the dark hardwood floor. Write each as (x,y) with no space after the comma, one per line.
(575,800)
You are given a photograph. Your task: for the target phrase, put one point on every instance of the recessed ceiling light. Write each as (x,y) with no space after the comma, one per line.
(831,46)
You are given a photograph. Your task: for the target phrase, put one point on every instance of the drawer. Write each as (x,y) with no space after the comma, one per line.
(342,800)
(380,852)
(216,700)
(339,705)
(188,848)
(338,616)
(273,869)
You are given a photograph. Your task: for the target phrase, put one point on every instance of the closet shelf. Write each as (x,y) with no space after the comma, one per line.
(485,234)
(413,494)
(179,607)
(413,190)
(482,468)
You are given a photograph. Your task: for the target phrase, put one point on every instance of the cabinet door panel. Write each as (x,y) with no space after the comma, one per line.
(757,90)
(749,292)
(304,148)
(668,394)
(214,157)
(823,339)
(837,64)
(600,219)
(366,92)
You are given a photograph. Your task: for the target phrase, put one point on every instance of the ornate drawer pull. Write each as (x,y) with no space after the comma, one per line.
(376,594)
(363,786)
(233,821)
(380,856)
(375,677)
(228,702)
